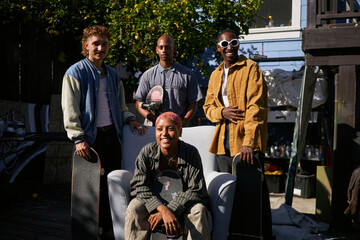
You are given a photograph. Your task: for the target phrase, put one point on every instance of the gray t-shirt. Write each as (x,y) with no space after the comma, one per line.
(179,83)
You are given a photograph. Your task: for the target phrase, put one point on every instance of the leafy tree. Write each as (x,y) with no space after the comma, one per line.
(55,17)
(194,25)
(136,25)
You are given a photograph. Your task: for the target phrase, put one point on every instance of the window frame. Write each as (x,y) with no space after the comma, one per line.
(269,33)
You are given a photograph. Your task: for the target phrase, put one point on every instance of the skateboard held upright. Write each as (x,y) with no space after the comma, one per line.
(246,217)
(85,196)
(166,186)
(154,102)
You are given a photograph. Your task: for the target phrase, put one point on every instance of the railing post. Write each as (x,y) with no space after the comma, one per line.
(311,13)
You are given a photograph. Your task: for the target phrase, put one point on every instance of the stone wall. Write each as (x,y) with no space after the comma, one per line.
(58,154)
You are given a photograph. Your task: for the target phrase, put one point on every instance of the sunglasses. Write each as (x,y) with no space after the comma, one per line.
(225,44)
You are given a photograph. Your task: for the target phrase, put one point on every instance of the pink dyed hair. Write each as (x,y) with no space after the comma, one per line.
(173,116)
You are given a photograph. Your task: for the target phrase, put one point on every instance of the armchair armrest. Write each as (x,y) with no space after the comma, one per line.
(221,190)
(119,197)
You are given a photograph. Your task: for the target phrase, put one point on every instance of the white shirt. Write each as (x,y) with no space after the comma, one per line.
(224,87)
(104,115)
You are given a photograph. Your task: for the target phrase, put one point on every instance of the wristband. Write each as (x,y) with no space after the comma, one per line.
(79,141)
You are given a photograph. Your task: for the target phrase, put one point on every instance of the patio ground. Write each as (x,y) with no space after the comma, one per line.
(34,211)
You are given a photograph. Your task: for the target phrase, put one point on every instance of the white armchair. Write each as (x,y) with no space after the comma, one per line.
(220,186)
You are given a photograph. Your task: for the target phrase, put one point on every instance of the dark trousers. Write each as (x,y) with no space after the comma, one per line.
(109,149)
(225,165)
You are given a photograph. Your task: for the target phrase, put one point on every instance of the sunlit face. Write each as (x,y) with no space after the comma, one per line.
(167,133)
(97,47)
(165,49)
(230,54)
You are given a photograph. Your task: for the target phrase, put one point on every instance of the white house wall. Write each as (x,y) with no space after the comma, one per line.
(278,46)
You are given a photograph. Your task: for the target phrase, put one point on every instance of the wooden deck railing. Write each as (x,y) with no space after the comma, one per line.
(322,13)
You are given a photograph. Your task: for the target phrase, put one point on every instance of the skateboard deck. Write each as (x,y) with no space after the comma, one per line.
(166,186)
(85,195)
(154,102)
(246,217)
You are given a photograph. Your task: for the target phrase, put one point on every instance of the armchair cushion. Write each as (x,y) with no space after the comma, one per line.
(201,137)
(119,198)
(221,190)
(132,145)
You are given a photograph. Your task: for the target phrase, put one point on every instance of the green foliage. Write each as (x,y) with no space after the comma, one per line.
(194,25)
(55,17)
(136,25)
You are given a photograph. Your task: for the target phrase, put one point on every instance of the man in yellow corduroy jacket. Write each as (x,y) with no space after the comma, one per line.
(236,102)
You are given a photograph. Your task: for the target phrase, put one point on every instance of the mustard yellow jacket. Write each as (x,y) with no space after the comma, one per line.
(246,89)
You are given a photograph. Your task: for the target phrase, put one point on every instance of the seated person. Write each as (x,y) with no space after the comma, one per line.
(187,213)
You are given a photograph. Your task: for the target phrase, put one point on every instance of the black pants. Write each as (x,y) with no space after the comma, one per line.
(109,149)
(225,165)
(225,161)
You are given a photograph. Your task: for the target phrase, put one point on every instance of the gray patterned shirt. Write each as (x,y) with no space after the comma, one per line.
(179,83)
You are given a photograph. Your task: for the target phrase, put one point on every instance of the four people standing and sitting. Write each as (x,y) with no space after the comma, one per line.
(95,111)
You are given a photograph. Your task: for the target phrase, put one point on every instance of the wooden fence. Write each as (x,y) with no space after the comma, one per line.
(32,64)
(324,12)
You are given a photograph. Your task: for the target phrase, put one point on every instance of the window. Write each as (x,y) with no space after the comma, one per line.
(273,14)
(276,19)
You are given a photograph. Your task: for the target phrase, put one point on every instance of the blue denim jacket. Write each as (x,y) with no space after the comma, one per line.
(80,101)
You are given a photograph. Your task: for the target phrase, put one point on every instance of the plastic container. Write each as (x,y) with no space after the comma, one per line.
(275,183)
(304,186)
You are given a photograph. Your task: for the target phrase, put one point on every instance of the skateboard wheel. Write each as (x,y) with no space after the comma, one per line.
(102,172)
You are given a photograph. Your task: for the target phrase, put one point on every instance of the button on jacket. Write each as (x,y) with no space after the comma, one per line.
(246,88)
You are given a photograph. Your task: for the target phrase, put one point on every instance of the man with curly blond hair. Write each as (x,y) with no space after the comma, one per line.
(94,109)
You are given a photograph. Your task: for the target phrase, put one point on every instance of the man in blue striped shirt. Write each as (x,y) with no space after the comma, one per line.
(181,88)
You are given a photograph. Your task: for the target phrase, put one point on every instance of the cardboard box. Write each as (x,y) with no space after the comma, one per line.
(304,186)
